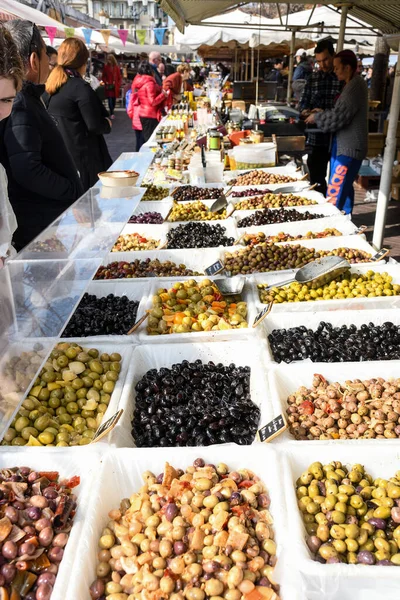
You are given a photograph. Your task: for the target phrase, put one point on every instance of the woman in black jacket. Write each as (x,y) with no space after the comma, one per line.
(80,115)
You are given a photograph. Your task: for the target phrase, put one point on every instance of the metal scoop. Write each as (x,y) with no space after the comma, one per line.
(230,286)
(219,204)
(294,189)
(320,272)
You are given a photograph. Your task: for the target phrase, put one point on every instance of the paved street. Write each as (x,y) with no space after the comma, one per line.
(121,140)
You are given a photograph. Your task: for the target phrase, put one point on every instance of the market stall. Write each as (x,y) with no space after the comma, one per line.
(158,397)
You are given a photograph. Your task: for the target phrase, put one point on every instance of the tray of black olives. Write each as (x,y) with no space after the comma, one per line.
(201,234)
(193,395)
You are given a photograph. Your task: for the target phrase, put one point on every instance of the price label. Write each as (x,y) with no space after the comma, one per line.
(106,427)
(272,429)
(215,268)
(262,314)
(361,229)
(379,255)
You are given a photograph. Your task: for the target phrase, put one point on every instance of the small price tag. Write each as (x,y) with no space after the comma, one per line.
(262,314)
(272,429)
(215,268)
(361,229)
(108,426)
(379,255)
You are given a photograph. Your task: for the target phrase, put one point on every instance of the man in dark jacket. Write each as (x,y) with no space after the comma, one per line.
(42,178)
(154,60)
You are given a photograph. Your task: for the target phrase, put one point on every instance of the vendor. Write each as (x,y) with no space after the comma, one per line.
(348,122)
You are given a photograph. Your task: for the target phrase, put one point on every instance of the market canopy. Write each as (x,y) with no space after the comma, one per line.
(381,14)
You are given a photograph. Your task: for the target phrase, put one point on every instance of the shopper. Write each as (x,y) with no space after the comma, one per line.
(151,98)
(112,81)
(276,73)
(53,57)
(11,74)
(320,92)
(133,113)
(42,178)
(81,118)
(169,67)
(161,71)
(348,121)
(178,83)
(155,60)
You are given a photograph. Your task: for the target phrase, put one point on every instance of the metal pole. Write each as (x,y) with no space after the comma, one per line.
(236,65)
(252,65)
(291,65)
(247,65)
(343,19)
(388,158)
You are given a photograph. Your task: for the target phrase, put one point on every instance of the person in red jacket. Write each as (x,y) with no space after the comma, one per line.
(177,83)
(151,98)
(112,81)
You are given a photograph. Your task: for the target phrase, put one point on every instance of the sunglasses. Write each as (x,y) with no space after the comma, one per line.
(32,44)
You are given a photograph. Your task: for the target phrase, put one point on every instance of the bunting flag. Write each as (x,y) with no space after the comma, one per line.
(141,36)
(106,35)
(51,32)
(87,34)
(123,34)
(159,34)
(69,32)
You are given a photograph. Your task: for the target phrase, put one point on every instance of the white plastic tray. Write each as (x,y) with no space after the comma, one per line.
(155,356)
(340,223)
(332,305)
(194,259)
(121,476)
(328,210)
(338,581)
(309,195)
(279,320)
(155,232)
(347,241)
(68,465)
(134,289)
(194,336)
(162,207)
(229,225)
(286,379)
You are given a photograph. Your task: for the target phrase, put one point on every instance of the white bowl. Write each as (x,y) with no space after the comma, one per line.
(118,178)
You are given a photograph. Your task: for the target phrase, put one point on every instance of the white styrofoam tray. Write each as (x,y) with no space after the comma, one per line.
(284,380)
(327,210)
(154,232)
(357,242)
(134,289)
(309,195)
(340,223)
(229,224)
(68,465)
(154,356)
(287,320)
(226,334)
(196,259)
(121,475)
(289,171)
(338,581)
(203,186)
(162,207)
(382,302)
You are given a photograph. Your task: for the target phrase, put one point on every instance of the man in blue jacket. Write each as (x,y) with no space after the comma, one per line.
(42,178)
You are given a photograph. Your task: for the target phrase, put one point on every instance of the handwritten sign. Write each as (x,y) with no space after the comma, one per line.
(215,268)
(379,255)
(106,427)
(262,314)
(272,429)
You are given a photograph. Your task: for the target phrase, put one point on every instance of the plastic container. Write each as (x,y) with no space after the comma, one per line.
(155,356)
(331,582)
(346,241)
(134,289)
(265,189)
(328,210)
(121,476)
(163,207)
(255,156)
(295,228)
(332,305)
(68,465)
(195,336)
(229,224)
(154,232)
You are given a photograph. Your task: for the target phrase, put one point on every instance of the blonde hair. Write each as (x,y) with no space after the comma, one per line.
(11,66)
(183,69)
(72,54)
(111,59)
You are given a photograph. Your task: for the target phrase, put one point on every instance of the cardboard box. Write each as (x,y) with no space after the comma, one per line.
(395,191)
(386,125)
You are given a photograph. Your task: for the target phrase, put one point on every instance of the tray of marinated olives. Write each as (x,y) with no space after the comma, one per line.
(333,336)
(196,307)
(199,210)
(215,393)
(155,193)
(283,232)
(190,193)
(285,214)
(139,237)
(342,505)
(228,560)
(151,213)
(324,402)
(107,312)
(363,286)
(44,503)
(77,388)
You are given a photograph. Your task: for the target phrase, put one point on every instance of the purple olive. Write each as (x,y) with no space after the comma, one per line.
(351,520)
(333,560)
(264,582)
(378,523)
(9,550)
(60,540)
(171,510)
(53,568)
(263,501)
(180,548)
(42,524)
(27,548)
(160,478)
(46,536)
(97,589)
(33,476)
(385,563)
(314,543)
(199,462)
(8,571)
(49,578)
(34,513)
(211,566)
(44,592)
(18,505)
(55,554)
(395,514)
(50,493)
(365,558)
(29,530)
(24,471)
(12,514)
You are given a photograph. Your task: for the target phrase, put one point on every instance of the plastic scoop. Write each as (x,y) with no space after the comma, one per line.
(230,286)
(319,271)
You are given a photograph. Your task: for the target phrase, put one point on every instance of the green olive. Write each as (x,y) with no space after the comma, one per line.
(46,438)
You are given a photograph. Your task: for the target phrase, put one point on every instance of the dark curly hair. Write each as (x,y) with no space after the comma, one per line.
(11,66)
(145,68)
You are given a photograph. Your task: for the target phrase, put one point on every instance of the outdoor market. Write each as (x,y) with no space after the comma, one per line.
(199,300)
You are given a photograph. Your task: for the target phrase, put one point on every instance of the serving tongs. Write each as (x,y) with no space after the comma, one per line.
(320,272)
